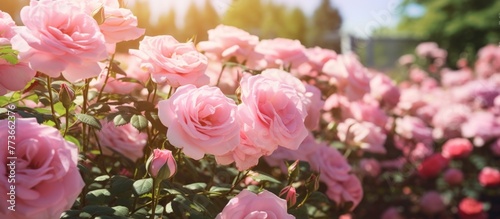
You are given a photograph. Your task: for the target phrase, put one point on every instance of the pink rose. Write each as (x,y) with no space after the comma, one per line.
(113,85)
(6,28)
(272,113)
(335,173)
(171,62)
(247,205)
(457,148)
(125,140)
(345,191)
(453,176)
(14,77)
(448,119)
(306,148)
(383,89)
(161,164)
(370,167)
(47,181)
(225,42)
(451,78)
(200,121)
(489,177)
(432,203)
(482,126)
(418,75)
(332,165)
(119,25)
(495,147)
(350,77)
(60,36)
(317,57)
(245,155)
(314,107)
(406,60)
(281,52)
(488,62)
(391,213)
(364,135)
(367,112)
(410,127)
(431,50)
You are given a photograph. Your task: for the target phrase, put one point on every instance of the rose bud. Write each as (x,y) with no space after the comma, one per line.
(66,95)
(161,164)
(432,166)
(291,195)
(457,148)
(489,177)
(453,176)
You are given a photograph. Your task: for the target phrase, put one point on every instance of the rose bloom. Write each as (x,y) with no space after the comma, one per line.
(414,128)
(470,208)
(245,155)
(59,36)
(391,213)
(349,75)
(489,177)
(457,148)
(335,173)
(370,167)
(200,121)
(432,203)
(272,113)
(495,147)
(314,108)
(171,62)
(406,60)
(6,28)
(482,126)
(432,166)
(12,77)
(306,148)
(448,119)
(281,52)
(367,112)
(248,205)
(453,176)
(47,180)
(383,89)
(225,42)
(125,140)
(119,25)
(113,85)
(317,57)
(364,135)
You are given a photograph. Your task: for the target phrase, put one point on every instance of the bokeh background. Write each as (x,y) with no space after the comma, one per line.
(379,31)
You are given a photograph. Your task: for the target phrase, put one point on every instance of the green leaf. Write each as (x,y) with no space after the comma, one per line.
(143,186)
(98,210)
(139,122)
(121,211)
(73,140)
(98,197)
(196,186)
(121,184)
(120,120)
(263,177)
(89,120)
(101,178)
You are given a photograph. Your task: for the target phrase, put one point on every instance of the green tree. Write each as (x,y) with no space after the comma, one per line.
(273,23)
(326,23)
(457,26)
(166,24)
(296,25)
(245,14)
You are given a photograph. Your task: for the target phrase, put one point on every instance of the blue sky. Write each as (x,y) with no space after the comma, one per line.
(360,16)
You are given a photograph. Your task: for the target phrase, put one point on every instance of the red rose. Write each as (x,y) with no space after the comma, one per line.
(489,177)
(432,166)
(470,208)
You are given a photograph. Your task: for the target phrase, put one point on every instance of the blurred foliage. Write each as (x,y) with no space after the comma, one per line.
(457,26)
(260,17)
(269,20)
